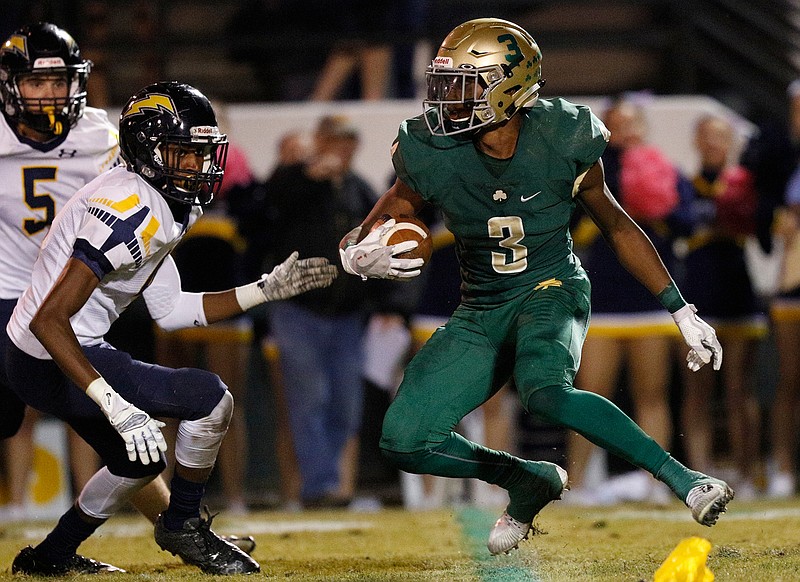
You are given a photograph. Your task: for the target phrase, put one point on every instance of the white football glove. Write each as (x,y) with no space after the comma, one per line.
(141,433)
(294,276)
(700,337)
(371,258)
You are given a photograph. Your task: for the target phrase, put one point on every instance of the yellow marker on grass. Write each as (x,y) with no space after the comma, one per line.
(686,563)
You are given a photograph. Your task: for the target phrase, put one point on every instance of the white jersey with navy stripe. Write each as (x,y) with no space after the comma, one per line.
(36,180)
(122,228)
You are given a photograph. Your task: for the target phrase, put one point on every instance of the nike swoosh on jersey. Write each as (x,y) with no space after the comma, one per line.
(526,198)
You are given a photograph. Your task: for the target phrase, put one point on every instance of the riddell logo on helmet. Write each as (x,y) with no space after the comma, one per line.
(443,62)
(48,62)
(204,131)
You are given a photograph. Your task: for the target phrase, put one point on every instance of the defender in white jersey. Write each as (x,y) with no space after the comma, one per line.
(108,245)
(37,179)
(51,145)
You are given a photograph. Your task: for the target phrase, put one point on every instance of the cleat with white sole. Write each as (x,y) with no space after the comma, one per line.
(708,501)
(506,535)
(508,532)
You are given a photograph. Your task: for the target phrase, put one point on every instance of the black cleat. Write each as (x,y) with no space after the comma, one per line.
(28,561)
(245,543)
(198,545)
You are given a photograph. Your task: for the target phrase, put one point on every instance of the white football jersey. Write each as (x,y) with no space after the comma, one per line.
(36,180)
(122,228)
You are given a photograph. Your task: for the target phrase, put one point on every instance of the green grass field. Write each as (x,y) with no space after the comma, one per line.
(756,541)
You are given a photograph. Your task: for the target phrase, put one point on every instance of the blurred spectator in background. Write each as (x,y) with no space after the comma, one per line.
(629,328)
(254,215)
(772,156)
(361,64)
(319,336)
(716,278)
(293,148)
(97,34)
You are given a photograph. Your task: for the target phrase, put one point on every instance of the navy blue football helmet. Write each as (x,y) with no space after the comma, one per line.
(45,49)
(160,124)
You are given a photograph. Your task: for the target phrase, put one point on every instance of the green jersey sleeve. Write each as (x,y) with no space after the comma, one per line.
(574,132)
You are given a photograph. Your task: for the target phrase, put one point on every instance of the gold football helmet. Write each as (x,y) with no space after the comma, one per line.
(484,72)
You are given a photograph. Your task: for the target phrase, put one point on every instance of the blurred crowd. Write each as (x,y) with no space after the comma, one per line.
(323,366)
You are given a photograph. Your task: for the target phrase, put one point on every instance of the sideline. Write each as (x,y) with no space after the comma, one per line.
(750,514)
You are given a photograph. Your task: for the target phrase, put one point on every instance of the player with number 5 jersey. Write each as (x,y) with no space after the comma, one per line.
(37,179)
(507,170)
(51,144)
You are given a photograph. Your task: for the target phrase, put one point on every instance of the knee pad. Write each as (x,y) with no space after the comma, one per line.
(198,440)
(106,493)
(547,403)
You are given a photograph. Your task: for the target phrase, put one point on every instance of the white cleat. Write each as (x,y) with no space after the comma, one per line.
(506,534)
(708,501)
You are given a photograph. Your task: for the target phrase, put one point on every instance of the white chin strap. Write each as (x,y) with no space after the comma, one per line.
(531,95)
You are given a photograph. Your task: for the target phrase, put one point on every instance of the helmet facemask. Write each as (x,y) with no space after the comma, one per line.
(458,99)
(49,115)
(198,182)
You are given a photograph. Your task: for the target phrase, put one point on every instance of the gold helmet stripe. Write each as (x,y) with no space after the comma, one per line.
(154,101)
(18,44)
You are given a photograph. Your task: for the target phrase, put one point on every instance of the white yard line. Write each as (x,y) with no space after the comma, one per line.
(684,515)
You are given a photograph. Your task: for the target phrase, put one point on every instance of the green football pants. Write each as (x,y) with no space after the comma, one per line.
(538,338)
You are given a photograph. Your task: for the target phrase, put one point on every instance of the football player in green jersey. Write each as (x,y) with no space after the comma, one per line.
(507,170)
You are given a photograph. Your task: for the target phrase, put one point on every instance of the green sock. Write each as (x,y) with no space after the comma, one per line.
(531,484)
(679,478)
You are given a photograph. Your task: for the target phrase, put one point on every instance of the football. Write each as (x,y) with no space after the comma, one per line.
(409,228)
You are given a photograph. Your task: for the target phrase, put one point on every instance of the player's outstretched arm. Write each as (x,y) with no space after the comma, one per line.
(173,308)
(292,277)
(637,254)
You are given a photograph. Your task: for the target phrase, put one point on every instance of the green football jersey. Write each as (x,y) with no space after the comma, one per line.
(510,221)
